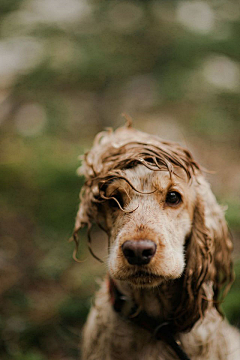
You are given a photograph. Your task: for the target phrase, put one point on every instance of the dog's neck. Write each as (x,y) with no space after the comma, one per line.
(156,302)
(145,309)
(168,302)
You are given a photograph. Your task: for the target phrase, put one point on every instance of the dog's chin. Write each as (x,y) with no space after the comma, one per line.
(142,279)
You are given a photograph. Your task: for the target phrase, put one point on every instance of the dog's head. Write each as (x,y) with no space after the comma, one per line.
(162,220)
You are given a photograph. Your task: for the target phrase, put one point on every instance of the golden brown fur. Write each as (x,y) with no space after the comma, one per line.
(128,176)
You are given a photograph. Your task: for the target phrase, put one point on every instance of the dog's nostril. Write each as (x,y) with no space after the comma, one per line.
(139,252)
(128,253)
(148,252)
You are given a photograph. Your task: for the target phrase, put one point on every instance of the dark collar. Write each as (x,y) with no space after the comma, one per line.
(128,310)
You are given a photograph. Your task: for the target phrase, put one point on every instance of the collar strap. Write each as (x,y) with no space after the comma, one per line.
(128,310)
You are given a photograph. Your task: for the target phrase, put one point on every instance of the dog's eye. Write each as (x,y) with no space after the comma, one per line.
(113,203)
(173,198)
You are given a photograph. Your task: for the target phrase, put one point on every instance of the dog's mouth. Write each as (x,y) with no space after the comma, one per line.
(144,278)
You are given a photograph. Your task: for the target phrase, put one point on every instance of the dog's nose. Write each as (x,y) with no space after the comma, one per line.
(139,252)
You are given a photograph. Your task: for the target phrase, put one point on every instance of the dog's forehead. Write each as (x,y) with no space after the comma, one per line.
(142,177)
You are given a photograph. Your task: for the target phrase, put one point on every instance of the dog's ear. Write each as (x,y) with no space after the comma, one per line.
(86,212)
(86,216)
(208,253)
(90,212)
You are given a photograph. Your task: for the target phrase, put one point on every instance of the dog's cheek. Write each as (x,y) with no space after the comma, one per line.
(172,264)
(178,254)
(114,257)
(109,220)
(180,265)
(177,266)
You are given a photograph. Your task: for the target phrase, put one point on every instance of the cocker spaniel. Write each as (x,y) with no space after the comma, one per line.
(169,253)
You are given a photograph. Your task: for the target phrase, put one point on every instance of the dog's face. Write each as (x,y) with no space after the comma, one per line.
(147,238)
(159,225)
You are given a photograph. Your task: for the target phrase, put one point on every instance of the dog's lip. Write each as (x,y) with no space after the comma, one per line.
(140,274)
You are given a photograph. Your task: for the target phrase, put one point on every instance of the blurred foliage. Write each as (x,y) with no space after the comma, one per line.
(67,69)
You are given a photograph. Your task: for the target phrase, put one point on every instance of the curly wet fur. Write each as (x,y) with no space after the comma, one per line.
(187,291)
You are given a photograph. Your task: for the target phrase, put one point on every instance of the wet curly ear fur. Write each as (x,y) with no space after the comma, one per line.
(208,259)
(88,213)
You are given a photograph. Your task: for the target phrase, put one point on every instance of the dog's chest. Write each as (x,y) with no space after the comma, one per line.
(131,342)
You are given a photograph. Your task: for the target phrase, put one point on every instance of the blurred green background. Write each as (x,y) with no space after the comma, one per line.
(68,69)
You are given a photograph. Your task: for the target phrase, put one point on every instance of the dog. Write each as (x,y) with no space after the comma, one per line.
(169,253)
